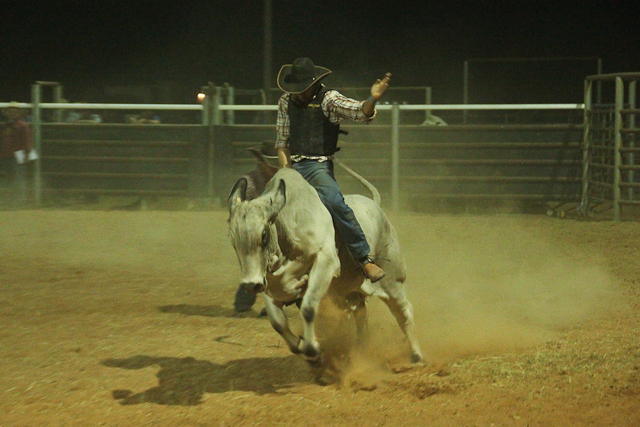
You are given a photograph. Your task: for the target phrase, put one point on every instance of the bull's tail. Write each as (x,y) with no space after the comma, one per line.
(375,194)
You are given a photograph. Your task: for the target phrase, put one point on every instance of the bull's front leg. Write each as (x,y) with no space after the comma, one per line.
(326,267)
(280,323)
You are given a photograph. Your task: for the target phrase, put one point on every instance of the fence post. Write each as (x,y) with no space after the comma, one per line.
(208,114)
(57,97)
(632,136)
(617,146)
(586,136)
(465,91)
(37,139)
(395,157)
(230,100)
(427,100)
(216,101)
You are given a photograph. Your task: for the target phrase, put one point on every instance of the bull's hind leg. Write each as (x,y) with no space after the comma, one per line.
(402,310)
(357,302)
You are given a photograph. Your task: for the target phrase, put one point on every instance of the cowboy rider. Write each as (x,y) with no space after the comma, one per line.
(308,125)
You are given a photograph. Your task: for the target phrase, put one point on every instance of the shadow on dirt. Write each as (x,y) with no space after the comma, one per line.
(199,310)
(184,381)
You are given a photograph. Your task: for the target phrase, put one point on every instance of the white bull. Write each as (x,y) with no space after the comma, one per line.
(287,247)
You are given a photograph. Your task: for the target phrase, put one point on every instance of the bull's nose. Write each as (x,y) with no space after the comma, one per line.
(254,288)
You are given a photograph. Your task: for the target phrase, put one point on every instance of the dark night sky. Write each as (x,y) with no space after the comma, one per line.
(86,45)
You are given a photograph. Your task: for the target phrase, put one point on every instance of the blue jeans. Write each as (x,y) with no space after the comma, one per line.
(320,176)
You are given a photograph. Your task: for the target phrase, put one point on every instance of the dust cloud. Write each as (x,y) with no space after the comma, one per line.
(486,284)
(482,285)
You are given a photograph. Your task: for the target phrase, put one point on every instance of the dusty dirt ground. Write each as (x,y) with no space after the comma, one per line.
(125,319)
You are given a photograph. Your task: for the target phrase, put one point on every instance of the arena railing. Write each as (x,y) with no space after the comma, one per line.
(396,109)
(211,117)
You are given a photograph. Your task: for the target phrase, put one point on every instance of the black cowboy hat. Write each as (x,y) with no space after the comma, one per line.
(299,76)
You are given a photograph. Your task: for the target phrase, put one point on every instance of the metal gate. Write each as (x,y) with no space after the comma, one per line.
(609,145)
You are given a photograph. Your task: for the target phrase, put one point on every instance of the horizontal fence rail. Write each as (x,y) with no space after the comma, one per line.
(382,107)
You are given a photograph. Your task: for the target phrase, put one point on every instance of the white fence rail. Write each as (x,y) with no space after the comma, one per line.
(223,107)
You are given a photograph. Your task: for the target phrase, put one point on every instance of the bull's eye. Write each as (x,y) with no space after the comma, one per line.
(265,237)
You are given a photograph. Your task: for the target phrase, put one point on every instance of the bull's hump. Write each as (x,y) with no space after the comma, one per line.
(298,190)
(304,218)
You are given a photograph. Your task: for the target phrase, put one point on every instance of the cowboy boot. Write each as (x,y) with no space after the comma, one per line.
(371,271)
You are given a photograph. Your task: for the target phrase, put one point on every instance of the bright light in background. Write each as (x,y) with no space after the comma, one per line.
(201,97)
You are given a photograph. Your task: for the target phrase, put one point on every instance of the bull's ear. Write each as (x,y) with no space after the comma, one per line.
(238,193)
(278,200)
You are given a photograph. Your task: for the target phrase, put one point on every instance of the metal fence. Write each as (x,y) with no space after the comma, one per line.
(609,145)
(409,163)
(420,166)
(115,159)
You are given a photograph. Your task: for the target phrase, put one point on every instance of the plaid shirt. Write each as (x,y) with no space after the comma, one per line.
(335,106)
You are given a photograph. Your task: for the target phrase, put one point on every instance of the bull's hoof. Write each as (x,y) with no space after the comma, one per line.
(308,349)
(244,300)
(315,362)
(296,348)
(311,352)
(417,358)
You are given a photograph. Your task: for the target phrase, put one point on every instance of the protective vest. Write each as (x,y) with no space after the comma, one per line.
(311,133)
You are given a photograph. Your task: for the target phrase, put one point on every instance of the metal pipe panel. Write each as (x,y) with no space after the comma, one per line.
(395,158)
(617,144)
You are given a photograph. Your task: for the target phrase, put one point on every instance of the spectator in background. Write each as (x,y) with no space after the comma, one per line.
(146,117)
(16,150)
(83,116)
